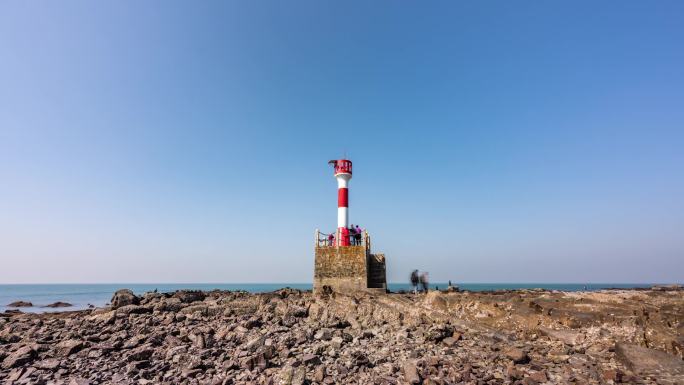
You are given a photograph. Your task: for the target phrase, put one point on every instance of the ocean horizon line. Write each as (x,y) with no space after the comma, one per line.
(311,283)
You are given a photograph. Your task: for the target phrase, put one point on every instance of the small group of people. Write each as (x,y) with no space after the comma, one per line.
(355,236)
(419,281)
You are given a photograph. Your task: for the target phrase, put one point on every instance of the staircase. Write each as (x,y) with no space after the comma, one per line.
(376,272)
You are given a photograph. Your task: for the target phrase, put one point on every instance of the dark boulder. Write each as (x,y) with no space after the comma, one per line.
(188,296)
(20,304)
(59,304)
(124,297)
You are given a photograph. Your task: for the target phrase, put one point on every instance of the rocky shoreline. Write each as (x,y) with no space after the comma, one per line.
(293,337)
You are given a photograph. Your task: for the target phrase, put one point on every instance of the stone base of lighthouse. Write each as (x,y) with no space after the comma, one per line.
(348,269)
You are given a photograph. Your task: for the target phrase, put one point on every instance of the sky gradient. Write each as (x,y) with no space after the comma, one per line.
(492,141)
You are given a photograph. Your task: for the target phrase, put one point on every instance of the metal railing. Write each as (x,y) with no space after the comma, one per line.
(334,239)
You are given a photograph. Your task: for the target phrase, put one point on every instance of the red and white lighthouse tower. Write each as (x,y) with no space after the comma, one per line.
(343,173)
(339,266)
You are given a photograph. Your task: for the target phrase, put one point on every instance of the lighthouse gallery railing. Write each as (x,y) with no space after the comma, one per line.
(325,240)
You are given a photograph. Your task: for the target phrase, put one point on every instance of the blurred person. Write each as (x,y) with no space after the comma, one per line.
(424,281)
(414,281)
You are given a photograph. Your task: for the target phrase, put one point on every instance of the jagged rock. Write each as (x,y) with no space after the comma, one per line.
(79,381)
(202,309)
(513,372)
(107,317)
(336,342)
(255,343)
(21,356)
(134,342)
(319,373)
(643,360)
(292,376)
(611,375)
(124,297)
(188,296)
(68,347)
(518,356)
(450,341)
(247,363)
(47,364)
(411,372)
(285,375)
(323,335)
(133,309)
(568,337)
(299,376)
(538,377)
(169,305)
(7,337)
(436,301)
(140,353)
(15,375)
(298,311)
(440,332)
(311,359)
(360,359)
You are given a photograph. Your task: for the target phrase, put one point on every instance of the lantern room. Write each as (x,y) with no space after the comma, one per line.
(342,166)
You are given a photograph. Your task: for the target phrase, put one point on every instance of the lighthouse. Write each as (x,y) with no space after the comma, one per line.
(343,174)
(340,265)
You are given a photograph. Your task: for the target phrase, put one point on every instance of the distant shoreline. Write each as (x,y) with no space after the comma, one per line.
(84,296)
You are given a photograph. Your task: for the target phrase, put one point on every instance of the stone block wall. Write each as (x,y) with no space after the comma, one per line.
(341,268)
(376,272)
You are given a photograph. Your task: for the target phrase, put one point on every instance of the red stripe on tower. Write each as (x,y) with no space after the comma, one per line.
(343,197)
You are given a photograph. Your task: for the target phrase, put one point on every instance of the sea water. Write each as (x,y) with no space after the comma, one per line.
(83,295)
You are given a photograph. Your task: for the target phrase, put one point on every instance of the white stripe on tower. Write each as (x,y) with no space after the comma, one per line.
(342,202)
(342,217)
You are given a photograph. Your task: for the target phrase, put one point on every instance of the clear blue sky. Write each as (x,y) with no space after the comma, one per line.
(493,141)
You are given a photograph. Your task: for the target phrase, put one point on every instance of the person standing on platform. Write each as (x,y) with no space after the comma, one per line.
(351,234)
